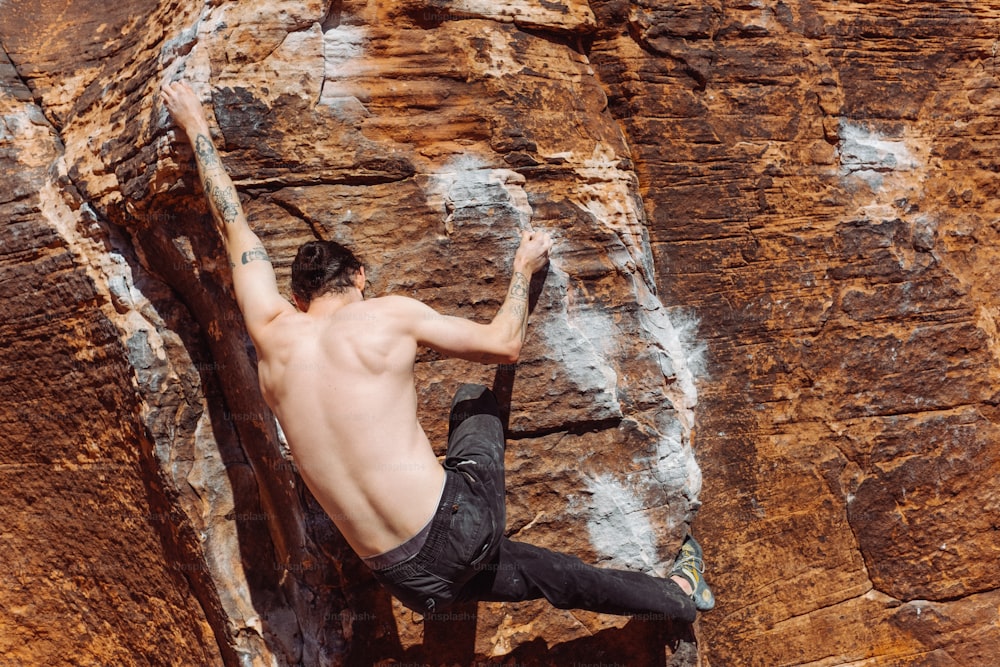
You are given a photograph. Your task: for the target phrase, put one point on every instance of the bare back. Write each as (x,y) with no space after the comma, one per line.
(341,385)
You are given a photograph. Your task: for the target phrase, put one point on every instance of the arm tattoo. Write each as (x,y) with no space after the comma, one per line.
(226,203)
(205,151)
(516,303)
(224,199)
(257,252)
(518,287)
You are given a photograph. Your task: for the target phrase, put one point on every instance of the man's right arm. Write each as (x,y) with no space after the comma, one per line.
(499,341)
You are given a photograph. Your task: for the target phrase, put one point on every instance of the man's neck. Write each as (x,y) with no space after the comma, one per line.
(331,303)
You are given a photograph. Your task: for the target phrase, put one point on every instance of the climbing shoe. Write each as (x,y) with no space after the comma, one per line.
(690,565)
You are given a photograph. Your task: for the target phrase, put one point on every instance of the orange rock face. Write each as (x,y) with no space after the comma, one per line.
(821,192)
(771,314)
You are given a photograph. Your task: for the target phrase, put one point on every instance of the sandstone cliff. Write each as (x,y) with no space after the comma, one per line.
(771,315)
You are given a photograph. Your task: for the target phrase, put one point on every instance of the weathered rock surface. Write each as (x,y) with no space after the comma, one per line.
(774,227)
(822,192)
(92,548)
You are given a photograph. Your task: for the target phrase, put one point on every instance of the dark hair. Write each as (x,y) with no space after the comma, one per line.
(323,267)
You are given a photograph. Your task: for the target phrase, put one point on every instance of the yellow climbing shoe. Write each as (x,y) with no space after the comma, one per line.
(690,565)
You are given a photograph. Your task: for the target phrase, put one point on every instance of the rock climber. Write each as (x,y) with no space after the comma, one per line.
(337,371)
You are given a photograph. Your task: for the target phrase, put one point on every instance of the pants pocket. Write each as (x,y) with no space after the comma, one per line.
(471,536)
(488,547)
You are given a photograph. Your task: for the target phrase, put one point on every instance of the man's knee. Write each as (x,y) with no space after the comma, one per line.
(473,392)
(471,400)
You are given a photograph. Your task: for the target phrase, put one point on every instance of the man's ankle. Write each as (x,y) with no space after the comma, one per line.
(683,583)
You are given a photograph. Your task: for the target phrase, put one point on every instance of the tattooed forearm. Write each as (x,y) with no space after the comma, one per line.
(518,286)
(257,252)
(515,306)
(224,199)
(205,151)
(226,203)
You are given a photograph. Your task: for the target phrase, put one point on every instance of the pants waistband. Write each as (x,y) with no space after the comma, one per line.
(415,544)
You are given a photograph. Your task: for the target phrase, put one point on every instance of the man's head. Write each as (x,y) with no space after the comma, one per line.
(323,267)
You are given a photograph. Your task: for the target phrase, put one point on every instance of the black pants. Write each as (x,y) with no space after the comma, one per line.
(468,557)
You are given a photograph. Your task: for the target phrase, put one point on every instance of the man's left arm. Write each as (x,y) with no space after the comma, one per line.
(499,341)
(253,276)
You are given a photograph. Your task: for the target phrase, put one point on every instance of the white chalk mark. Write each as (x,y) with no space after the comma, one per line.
(866,154)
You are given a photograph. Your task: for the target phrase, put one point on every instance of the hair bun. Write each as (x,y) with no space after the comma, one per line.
(314,252)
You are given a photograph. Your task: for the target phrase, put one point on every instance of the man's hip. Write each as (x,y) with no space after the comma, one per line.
(463,534)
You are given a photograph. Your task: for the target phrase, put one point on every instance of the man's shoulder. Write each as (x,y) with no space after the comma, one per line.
(279,329)
(397,311)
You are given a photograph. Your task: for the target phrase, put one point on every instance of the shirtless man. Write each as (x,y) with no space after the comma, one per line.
(337,371)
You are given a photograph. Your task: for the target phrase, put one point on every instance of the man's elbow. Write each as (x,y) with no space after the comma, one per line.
(511,352)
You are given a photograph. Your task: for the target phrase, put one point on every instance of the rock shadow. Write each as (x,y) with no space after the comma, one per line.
(639,643)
